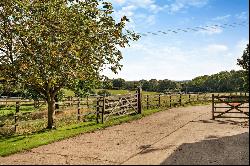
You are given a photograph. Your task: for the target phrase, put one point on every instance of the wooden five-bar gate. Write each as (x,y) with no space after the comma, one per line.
(233,106)
(118,106)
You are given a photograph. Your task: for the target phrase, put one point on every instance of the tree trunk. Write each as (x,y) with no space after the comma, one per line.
(51,110)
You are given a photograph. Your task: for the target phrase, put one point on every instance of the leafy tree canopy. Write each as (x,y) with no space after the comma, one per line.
(244,61)
(49,44)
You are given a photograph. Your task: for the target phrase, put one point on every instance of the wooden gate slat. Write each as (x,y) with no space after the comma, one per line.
(232,103)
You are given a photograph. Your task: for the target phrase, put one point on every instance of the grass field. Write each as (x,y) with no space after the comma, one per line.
(113,92)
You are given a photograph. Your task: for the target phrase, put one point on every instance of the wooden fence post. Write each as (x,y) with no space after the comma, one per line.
(139,100)
(180,100)
(189,98)
(15,120)
(78,108)
(35,104)
(213,106)
(87,101)
(17,106)
(97,110)
(103,108)
(170,101)
(159,101)
(147,102)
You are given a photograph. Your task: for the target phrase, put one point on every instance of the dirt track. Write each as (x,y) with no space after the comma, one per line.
(176,136)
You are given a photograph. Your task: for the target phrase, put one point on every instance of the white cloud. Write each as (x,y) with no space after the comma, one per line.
(179,5)
(137,3)
(216,49)
(119,1)
(242,44)
(125,11)
(130,9)
(222,18)
(211,31)
(242,16)
(149,5)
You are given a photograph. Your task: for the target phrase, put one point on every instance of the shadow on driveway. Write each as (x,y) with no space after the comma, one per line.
(231,150)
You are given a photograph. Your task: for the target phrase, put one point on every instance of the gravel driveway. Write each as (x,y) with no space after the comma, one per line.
(178,136)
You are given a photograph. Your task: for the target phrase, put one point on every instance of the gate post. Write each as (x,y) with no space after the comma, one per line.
(139,95)
(170,101)
(97,110)
(180,100)
(103,108)
(147,102)
(159,101)
(87,101)
(213,107)
(17,106)
(78,108)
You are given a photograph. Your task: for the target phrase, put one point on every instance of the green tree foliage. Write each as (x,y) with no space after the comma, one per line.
(224,81)
(118,83)
(244,63)
(162,86)
(166,85)
(106,84)
(49,44)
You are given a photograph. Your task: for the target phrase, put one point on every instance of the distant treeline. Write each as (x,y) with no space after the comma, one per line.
(225,81)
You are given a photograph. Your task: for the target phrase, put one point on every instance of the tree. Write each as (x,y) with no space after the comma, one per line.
(49,44)
(129,85)
(118,83)
(106,84)
(244,63)
(153,84)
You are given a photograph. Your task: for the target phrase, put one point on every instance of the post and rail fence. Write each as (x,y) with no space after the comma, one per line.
(104,108)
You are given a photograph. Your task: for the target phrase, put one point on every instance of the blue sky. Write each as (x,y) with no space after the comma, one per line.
(182,56)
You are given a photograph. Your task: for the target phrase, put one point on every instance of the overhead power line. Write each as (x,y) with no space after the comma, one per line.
(196,29)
